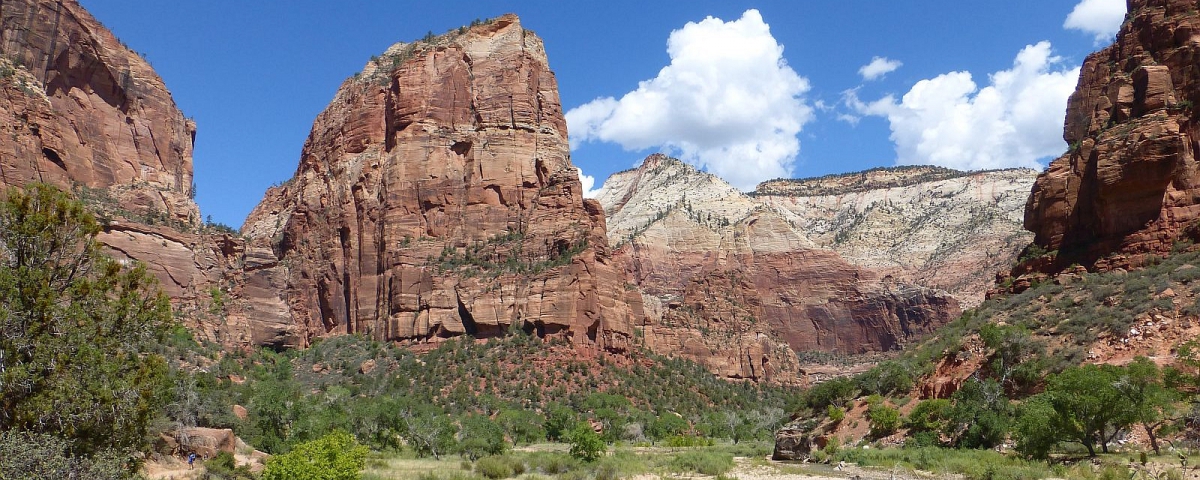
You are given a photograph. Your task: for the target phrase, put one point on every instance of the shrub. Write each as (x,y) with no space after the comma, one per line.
(922,439)
(929,415)
(685,441)
(586,444)
(223,467)
(885,420)
(836,414)
(33,455)
(495,467)
(552,463)
(703,462)
(336,456)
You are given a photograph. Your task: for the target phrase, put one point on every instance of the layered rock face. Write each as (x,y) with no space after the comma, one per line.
(81,111)
(1130,183)
(736,285)
(435,198)
(931,226)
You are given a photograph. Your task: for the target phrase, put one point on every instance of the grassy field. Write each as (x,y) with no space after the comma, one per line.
(553,461)
(749,461)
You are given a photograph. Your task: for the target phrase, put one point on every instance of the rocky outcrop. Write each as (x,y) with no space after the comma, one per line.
(930,226)
(736,285)
(1130,183)
(80,110)
(791,444)
(435,198)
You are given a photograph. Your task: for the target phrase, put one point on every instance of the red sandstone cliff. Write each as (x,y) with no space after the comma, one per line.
(1130,183)
(81,111)
(435,197)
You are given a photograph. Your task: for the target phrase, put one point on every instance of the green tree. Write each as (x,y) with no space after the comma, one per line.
(586,444)
(559,421)
(836,391)
(480,437)
(1088,407)
(885,420)
(522,426)
(1014,354)
(336,456)
(1140,384)
(666,425)
(428,430)
(78,330)
(886,378)
(980,415)
(1035,431)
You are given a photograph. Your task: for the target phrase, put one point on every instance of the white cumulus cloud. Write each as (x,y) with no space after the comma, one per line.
(878,67)
(1100,18)
(728,103)
(588,182)
(949,121)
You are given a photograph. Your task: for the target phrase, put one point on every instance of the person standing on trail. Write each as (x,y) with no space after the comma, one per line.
(191,460)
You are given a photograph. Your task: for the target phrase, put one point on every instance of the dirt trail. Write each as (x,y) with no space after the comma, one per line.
(172,469)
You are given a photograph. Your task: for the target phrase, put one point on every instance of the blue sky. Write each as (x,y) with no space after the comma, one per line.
(762,89)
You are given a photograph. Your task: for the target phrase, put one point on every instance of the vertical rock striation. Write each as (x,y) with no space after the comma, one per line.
(79,109)
(1130,183)
(435,197)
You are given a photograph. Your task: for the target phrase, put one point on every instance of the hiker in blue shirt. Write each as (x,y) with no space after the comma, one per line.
(191,459)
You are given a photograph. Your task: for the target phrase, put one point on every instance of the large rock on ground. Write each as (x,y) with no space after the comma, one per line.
(435,198)
(795,441)
(1130,184)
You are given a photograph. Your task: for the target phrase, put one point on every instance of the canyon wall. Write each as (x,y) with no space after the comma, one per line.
(435,198)
(736,284)
(1130,184)
(81,111)
(930,226)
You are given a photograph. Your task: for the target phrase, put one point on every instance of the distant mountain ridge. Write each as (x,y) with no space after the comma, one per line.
(926,225)
(738,285)
(870,179)
(931,226)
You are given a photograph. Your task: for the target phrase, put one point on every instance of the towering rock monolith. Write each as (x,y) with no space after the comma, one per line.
(435,197)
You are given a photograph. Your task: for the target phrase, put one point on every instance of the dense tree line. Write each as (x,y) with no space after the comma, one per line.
(472,398)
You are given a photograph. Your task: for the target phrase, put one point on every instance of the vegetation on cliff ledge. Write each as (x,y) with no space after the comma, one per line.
(1076,366)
